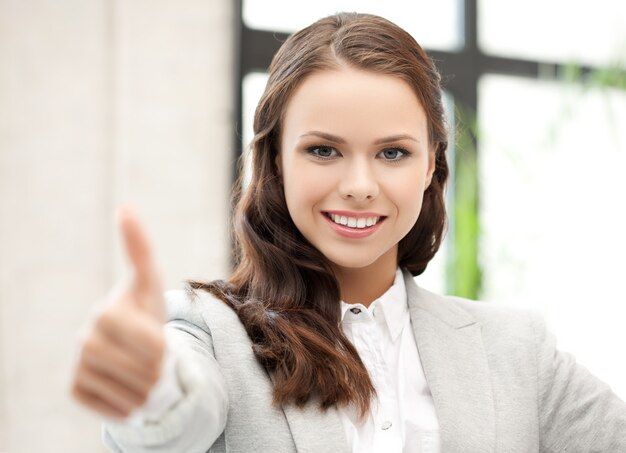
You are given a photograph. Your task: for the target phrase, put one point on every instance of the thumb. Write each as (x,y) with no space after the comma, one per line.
(145,284)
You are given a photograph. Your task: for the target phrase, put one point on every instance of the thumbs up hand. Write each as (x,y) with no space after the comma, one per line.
(121,349)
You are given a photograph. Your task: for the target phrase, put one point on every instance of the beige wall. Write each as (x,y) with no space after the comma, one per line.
(100,102)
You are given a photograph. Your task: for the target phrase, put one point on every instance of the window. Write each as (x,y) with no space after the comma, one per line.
(534,198)
(555,30)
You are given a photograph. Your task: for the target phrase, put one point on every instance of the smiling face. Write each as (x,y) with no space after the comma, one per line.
(355,162)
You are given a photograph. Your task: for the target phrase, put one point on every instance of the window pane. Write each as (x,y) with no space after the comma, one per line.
(555,30)
(252,89)
(552,161)
(435,25)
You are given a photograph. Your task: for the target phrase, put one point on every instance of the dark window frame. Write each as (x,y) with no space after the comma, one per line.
(461,71)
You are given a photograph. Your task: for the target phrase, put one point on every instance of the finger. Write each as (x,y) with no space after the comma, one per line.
(107,358)
(140,336)
(94,403)
(108,390)
(138,250)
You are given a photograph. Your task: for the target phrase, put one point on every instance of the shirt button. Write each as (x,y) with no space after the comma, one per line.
(386,425)
(355,310)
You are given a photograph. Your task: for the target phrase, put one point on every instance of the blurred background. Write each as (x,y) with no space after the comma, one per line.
(150,102)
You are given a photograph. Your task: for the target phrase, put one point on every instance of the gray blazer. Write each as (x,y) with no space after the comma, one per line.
(498,384)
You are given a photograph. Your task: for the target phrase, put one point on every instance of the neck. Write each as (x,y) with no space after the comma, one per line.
(366,284)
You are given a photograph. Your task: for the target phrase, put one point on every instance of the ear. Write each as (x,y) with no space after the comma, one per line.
(278,161)
(431,167)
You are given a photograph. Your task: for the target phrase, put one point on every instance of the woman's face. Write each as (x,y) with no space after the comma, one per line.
(354,150)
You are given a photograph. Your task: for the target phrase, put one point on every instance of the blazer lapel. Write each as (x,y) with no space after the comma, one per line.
(449,342)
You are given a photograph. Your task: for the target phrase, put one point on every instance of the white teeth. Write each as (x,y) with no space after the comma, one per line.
(353,222)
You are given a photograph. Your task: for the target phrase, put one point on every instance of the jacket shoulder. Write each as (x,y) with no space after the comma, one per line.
(194,306)
(458,312)
(498,321)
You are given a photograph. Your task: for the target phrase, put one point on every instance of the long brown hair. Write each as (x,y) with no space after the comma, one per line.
(283,289)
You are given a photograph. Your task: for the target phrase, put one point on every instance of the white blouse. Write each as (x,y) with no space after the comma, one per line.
(402,419)
(403,416)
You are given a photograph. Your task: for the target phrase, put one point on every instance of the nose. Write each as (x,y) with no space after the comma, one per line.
(359,182)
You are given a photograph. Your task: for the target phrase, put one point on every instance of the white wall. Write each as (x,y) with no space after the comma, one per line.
(101,102)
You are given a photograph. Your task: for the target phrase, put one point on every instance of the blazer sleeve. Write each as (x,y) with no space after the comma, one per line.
(198,419)
(577,411)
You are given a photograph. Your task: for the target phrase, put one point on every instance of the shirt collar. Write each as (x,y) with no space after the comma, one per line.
(391,306)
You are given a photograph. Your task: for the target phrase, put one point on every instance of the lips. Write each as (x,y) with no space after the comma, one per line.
(353,232)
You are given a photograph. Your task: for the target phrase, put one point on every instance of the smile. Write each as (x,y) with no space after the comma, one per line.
(354,227)
(353,222)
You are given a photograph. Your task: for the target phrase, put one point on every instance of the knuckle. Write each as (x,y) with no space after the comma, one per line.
(105,320)
(90,345)
(160,345)
(76,392)
(153,374)
(142,396)
(75,380)
(124,412)
(79,395)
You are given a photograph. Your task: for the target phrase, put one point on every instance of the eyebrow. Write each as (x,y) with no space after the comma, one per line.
(336,139)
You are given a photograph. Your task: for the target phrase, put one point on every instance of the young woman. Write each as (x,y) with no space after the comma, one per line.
(321,341)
